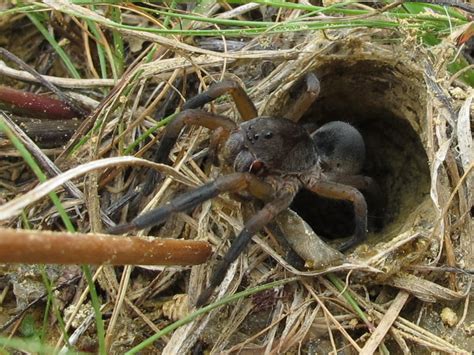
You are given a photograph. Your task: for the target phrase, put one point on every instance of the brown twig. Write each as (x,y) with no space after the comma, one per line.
(46,133)
(46,247)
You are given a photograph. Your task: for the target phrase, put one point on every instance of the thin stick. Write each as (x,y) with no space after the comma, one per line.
(45,247)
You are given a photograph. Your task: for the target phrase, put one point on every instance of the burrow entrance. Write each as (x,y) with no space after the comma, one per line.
(387,105)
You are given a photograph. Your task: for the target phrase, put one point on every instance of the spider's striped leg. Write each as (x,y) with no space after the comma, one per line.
(244,105)
(343,192)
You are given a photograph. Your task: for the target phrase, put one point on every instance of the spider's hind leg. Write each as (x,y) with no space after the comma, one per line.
(373,194)
(253,226)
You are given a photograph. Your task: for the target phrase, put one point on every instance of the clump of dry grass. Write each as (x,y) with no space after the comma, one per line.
(414,115)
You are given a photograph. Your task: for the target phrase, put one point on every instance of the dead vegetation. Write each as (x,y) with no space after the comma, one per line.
(406,290)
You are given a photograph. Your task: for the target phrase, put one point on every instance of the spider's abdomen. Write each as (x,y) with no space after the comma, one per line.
(276,144)
(340,148)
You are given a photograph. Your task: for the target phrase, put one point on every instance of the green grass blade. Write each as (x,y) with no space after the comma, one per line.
(100,48)
(206,309)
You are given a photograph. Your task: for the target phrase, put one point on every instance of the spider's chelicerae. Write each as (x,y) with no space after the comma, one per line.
(273,159)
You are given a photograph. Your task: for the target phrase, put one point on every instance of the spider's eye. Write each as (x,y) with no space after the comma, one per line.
(255,136)
(268,135)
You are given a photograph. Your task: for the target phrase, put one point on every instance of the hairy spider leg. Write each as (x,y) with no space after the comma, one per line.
(189,117)
(343,192)
(242,101)
(305,99)
(230,183)
(253,226)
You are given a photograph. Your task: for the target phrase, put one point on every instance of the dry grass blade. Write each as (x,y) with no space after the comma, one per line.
(62,82)
(14,207)
(76,10)
(386,322)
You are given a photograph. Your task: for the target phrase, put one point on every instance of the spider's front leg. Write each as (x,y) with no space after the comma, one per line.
(343,192)
(253,226)
(189,117)
(229,183)
(236,182)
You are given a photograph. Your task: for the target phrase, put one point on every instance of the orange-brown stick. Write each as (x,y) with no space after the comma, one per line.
(45,247)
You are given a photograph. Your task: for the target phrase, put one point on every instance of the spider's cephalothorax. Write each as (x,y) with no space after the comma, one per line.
(273,159)
(266,141)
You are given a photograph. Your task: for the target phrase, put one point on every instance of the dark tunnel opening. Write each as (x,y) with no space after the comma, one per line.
(375,99)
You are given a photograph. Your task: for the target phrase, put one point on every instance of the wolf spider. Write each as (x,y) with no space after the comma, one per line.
(273,159)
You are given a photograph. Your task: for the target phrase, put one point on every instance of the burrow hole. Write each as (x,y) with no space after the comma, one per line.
(385,105)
